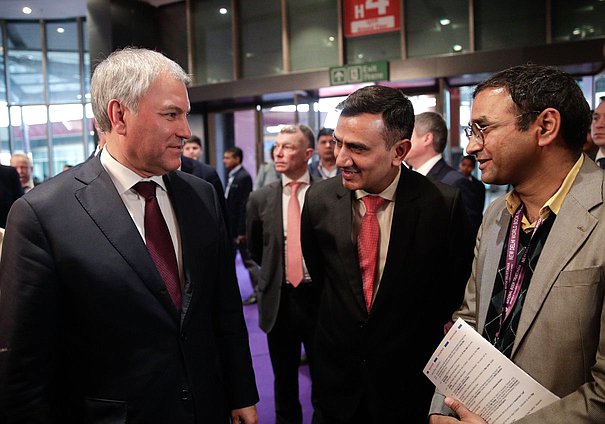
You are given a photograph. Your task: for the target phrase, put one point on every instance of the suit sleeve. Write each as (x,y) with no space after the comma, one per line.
(231,328)
(310,246)
(462,258)
(246,189)
(28,320)
(254,229)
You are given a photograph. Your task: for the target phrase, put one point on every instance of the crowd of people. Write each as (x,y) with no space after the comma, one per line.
(119,300)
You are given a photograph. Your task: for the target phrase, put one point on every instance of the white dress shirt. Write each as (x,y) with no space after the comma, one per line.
(426,167)
(124,179)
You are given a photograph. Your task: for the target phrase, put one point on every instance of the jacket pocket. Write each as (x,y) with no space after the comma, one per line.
(105,411)
(579,277)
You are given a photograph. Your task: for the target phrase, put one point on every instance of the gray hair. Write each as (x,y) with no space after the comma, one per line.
(305,130)
(126,76)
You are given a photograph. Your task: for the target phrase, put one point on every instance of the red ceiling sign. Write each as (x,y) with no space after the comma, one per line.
(364,17)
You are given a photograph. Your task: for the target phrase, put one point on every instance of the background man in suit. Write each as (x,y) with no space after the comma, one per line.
(385,271)
(325,167)
(528,124)
(118,306)
(10,190)
(207,173)
(22,163)
(426,157)
(467,165)
(597,130)
(239,187)
(193,148)
(287,299)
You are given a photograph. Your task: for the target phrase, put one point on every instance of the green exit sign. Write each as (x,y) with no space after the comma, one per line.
(364,72)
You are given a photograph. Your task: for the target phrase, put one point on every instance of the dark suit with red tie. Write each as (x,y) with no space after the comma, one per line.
(88,332)
(373,361)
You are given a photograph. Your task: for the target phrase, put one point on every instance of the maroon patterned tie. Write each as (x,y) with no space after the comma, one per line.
(159,243)
(368,245)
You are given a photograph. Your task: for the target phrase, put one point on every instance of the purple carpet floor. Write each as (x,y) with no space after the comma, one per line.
(261,361)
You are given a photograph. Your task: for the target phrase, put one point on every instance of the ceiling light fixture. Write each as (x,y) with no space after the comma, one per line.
(60,30)
(445,21)
(27,10)
(223,11)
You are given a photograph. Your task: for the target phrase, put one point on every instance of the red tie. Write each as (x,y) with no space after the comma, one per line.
(159,242)
(368,245)
(294,262)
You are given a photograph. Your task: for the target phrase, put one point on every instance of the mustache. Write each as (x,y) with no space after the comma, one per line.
(349,169)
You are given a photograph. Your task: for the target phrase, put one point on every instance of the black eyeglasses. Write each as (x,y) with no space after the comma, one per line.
(478,131)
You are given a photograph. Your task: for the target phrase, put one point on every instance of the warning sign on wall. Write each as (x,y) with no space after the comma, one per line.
(364,17)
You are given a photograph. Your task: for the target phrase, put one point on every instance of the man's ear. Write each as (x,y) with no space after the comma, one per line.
(401,150)
(548,126)
(116,111)
(308,153)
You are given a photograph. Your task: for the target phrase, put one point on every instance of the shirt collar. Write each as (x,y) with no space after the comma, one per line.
(425,168)
(388,193)
(123,177)
(234,170)
(599,155)
(513,201)
(306,179)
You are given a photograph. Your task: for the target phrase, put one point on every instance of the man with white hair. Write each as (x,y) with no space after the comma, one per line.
(119,298)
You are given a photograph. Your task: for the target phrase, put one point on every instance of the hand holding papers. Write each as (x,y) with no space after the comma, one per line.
(468,368)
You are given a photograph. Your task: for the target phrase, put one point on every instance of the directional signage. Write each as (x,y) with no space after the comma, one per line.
(364,72)
(365,17)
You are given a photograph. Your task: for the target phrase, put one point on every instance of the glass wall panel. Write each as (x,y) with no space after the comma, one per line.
(26,81)
(577,20)
(67,126)
(63,62)
(436,27)
(212,41)
(313,33)
(514,23)
(4,138)
(260,32)
(370,48)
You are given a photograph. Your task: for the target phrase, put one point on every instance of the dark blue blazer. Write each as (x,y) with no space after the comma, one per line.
(473,203)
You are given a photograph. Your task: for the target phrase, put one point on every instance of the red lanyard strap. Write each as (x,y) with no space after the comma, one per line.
(515,270)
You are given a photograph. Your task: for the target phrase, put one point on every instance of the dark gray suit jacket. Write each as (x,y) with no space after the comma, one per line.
(88,332)
(265,235)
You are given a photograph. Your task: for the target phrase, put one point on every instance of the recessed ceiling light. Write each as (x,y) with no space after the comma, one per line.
(60,30)
(331,38)
(27,10)
(457,48)
(223,11)
(445,21)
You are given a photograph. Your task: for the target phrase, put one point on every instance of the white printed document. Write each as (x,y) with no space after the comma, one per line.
(468,368)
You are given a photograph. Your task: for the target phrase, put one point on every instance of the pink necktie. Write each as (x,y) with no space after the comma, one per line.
(368,245)
(294,261)
(159,243)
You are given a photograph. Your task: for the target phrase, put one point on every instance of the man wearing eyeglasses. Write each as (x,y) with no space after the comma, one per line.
(543,306)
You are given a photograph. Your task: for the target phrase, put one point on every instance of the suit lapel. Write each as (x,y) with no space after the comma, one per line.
(405,218)
(343,224)
(569,232)
(104,205)
(197,224)
(492,243)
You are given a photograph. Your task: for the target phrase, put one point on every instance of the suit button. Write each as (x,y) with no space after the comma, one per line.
(184,394)
(361,324)
(184,337)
